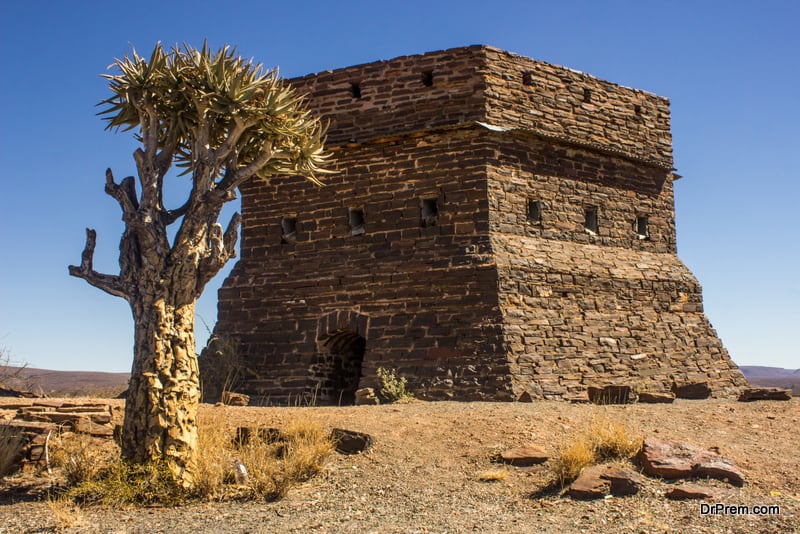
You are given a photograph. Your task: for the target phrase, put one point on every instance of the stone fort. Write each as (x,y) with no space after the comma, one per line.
(499,228)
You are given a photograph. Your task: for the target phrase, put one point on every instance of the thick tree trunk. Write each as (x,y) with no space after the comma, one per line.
(161,409)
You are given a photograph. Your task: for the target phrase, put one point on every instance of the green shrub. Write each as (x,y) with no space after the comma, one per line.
(393,388)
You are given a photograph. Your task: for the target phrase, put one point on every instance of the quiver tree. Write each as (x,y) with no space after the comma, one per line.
(221,120)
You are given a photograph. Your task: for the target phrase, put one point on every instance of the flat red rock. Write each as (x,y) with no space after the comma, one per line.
(692,491)
(525,456)
(671,459)
(597,481)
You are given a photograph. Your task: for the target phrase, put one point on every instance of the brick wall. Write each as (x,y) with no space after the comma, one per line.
(424,253)
(482,83)
(568,105)
(427,294)
(567,181)
(393,98)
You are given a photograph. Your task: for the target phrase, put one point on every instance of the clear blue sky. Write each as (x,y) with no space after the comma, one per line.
(731,69)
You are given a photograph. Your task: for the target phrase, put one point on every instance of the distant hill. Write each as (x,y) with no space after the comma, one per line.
(70,383)
(92,383)
(759,375)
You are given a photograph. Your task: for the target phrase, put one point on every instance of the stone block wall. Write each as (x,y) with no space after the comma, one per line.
(579,315)
(423,296)
(498,226)
(399,96)
(580,309)
(483,84)
(567,181)
(567,105)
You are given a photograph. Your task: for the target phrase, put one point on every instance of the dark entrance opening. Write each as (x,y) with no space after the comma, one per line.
(337,371)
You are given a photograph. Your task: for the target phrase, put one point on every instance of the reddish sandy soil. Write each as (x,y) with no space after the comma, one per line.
(422,474)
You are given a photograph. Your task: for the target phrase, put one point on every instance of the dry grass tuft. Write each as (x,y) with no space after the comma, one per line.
(78,456)
(604,439)
(612,439)
(96,474)
(275,462)
(121,484)
(213,459)
(273,466)
(572,458)
(65,512)
(11,443)
(493,475)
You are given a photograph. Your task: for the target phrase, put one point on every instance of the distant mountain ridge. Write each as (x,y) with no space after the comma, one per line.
(73,383)
(70,383)
(759,375)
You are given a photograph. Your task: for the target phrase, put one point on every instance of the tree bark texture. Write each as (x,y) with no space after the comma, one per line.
(161,282)
(161,410)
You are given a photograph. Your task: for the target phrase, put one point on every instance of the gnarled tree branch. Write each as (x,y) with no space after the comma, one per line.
(124,193)
(234,179)
(234,134)
(109,283)
(170,216)
(222,247)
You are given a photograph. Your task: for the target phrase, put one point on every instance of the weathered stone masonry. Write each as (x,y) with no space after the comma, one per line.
(498,226)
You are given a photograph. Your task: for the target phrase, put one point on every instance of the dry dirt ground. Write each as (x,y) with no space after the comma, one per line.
(422,474)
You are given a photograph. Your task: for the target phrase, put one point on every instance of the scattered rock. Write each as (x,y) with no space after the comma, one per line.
(754,394)
(610,394)
(366,396)
(524,456)
(5,392)
(589,485)
(692,491)
(67,417)
(691,390)
(623,481)
(671,459)
(525,397)
(719,468)
(349,442)
(578,398)
(235,399)
(87,426)
(91,418)
(597,481)
(28,438)
(653,397)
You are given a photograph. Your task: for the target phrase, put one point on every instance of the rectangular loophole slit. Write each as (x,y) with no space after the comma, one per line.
(429,212)
(590,222)
(356,221)
(427,79)
(534,211)
(642,227)
(355,90)
(288,229)
(527,78)
(587,95)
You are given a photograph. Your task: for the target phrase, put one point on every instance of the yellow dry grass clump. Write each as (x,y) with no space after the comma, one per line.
(65,512)
(274,461)
(80,457)
(290,455)
(493,475)
(603,439)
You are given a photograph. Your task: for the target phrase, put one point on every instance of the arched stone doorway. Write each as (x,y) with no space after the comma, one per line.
(337,369)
